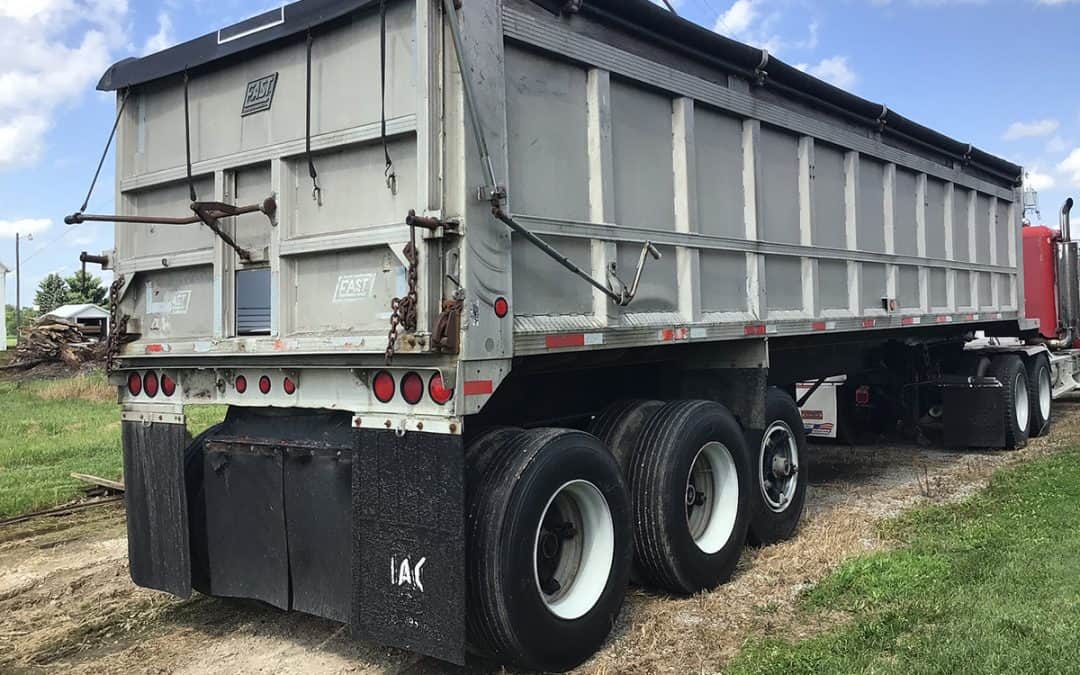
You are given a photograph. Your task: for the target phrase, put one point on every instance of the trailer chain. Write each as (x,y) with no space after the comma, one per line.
(403,310)
(118,323)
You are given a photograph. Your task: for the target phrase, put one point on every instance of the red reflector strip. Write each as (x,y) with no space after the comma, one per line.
(911,321)
(478,387)
(820,325)
(570,340)
(869,323)
(155,349)
(674,334)
(755,329)
(944,319)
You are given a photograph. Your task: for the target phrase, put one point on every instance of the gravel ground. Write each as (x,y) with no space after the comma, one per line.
(66,602)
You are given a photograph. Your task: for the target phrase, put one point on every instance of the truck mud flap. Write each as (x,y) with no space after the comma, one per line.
(409,542)
(974,412)
(246,545)
(318,514)
(156,503)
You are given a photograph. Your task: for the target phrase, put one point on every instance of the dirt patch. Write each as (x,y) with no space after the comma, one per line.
(66,602)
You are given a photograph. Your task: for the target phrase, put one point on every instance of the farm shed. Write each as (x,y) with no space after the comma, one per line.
(93,320)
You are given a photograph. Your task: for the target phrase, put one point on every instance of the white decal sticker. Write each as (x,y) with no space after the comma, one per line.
(352,287)
(406,574)
(157,302)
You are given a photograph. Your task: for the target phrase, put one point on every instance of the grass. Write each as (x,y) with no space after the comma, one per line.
(50,429)
(991,585)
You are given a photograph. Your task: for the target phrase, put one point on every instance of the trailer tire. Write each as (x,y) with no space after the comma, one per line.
(689,486)
(1009,370)
(483,449)
(196,508)
(779,455)
(550,605)
(1040,395)
(619,427)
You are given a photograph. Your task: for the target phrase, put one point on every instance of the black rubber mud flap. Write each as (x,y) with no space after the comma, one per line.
(156,501)
(245,525)
(409,542)
(973,412)
(318,511)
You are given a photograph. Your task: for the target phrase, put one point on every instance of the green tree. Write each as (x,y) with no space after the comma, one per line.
(52,292)
(85,288)
(27,316)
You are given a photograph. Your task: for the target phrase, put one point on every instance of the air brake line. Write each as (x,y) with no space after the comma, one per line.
(187,140)
(391,175)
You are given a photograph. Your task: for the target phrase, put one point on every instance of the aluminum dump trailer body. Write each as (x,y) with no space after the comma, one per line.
(378,229)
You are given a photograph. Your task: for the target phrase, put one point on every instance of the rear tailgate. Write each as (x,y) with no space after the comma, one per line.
(326,266)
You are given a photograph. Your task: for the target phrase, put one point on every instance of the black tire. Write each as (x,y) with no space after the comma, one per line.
(779,457)
(510,616)
(672,553)
(483,449)
(1009,370)
(1040,395)
(196,506)
(619,427)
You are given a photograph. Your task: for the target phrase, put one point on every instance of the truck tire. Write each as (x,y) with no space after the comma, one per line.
(1040,395)
(779,454)
(483,449)
(619,427)
(1009,370)
(689,487)
(548,553)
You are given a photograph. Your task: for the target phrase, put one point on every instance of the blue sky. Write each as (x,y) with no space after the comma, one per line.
(1000,74)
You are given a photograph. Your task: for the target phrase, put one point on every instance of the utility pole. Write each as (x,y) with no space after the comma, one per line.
(18,291)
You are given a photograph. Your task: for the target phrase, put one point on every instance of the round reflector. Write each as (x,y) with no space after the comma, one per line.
(264,384)
(150,384)
(168,385)
(383,386)
(412,388)
(240,384)
(502,307)
(438,391)
(289,386)
(134,384)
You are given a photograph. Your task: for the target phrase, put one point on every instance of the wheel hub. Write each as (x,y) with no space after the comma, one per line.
(779,462)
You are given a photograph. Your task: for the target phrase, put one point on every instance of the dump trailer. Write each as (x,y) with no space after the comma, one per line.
(508,300)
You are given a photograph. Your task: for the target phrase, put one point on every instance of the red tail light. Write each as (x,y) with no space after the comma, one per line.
(241,384)
(289,386)
(412,388)
(383,386)
(438,391)
(264,384)
(134,384)
(150,384)
(502,307)
(168,385)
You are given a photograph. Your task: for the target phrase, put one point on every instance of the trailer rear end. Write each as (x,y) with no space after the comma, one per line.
(508,302)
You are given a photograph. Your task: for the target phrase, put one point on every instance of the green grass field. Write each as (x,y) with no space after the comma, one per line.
(991,585)
(50,429)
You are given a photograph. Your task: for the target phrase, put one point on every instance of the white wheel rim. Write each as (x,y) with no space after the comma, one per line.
(1045,394)
(571,568)
(1020,401)
(712,497)
(778,467)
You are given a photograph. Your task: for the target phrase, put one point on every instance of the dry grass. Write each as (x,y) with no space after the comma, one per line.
(93,388)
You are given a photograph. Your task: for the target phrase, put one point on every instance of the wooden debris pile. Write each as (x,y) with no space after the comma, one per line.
(53,340)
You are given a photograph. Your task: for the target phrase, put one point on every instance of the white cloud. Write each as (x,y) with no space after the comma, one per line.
(737,19)
(1056,145)
(1039,181)
(1036,129)
(163,38)
(1070,167)
(24,227)
(835,70)
(63,47)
